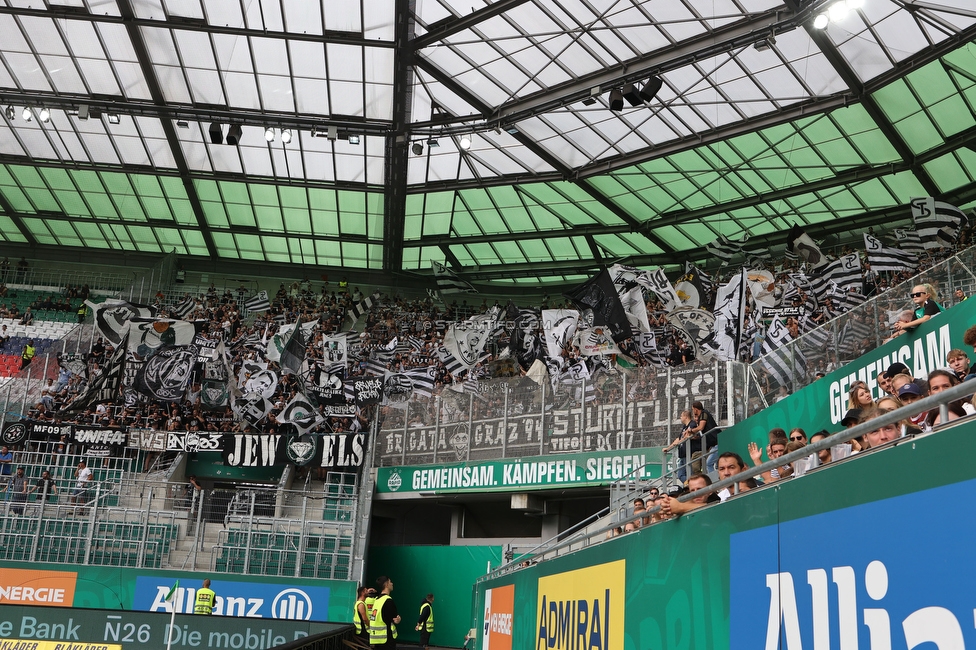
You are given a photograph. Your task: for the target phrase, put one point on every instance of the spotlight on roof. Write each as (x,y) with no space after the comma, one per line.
(269,134)
(616,100)
(465,142)
(764,44)
(838,11)
(651,88)
(216,133)
(44,114)
(115,118)
(83,112)
(11,112)
(28,114)
(432,142)
(589,101)
(821,21)
(417,148)
(512,130)
(353,139)
(286,136)
(183,124)
(234,134)
(631,95)
(332,132)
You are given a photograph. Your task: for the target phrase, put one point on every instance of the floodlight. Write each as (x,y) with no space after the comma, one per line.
(651,88)
(115,118)
(11,112)
(353,139)
(44,114)
(631,95)
(216,133)
(234,134)
(465,142)
(616,100)
(820,22)
(269,134)
(28,114)
(838,10)
(286,136)
(418,148)
(183,124)
(83,111)
(432,142)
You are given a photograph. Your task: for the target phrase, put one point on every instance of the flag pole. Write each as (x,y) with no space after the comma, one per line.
(171,599)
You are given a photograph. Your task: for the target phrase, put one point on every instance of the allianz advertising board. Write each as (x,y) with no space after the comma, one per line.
(895,574)
(247,599)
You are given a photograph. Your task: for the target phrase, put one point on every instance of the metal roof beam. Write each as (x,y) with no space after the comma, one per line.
(441,29)
(194,25)
(398,142)
(170,111)
(871,107)
(719,41)
(145,63)
(15,217)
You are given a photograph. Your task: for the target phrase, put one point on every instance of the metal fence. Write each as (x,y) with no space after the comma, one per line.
(515,417)
(853,334)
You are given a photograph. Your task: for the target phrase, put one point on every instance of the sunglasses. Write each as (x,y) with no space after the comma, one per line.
(918,294)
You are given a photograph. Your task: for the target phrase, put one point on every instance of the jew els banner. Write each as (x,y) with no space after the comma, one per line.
(254,450)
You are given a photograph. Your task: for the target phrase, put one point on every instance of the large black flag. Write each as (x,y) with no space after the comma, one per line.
(599,294)
(293,354)
(165,376)
(104,384)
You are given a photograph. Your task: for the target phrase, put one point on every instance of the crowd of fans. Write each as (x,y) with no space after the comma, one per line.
(418,326)
(899,389)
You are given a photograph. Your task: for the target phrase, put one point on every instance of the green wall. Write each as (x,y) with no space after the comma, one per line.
(449,572)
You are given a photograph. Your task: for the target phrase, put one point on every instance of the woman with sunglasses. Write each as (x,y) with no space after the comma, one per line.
(923,295)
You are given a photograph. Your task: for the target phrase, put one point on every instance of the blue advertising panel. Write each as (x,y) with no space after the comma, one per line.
(894,574)
(248,599)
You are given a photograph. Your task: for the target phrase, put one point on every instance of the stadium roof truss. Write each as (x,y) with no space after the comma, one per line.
(477,134)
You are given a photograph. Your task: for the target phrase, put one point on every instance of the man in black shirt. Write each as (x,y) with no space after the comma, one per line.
(708,430)
(46,484)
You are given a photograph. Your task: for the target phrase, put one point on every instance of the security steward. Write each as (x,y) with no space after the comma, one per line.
(206,600)
(360,615)
(425,624)
(28,354)
(384,617)
(370,600)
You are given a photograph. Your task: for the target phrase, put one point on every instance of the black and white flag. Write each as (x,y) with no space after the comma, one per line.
(423,380)
(799,242)
(783,362)
(938,223)
(166,375)
(363,306)
(559,329)
(252,408)
(105,383)
(258,302)
(882,258)
(467,340)
(845,272)
(908,240)
(112,317)
(301,412)
(730,303)
(448,281)
(600,295)
(185,308)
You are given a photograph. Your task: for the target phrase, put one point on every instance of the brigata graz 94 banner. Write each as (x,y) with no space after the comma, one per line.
(871,553)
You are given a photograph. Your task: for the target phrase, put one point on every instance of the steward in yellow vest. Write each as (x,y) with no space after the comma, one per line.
(360,614)
(205,601)
(425,624)
(384,618)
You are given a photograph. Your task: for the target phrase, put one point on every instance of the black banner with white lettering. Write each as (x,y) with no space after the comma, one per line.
(368,391)
(254,450)
(343,449)
(99,441)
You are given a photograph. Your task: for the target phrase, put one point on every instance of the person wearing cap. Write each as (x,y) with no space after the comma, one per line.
(851,418)
(909,393)
(923,295)
(899,374)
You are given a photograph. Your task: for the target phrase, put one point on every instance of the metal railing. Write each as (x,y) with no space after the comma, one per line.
(594,534)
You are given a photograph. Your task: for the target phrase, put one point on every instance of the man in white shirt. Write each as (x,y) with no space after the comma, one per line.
(83,482)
